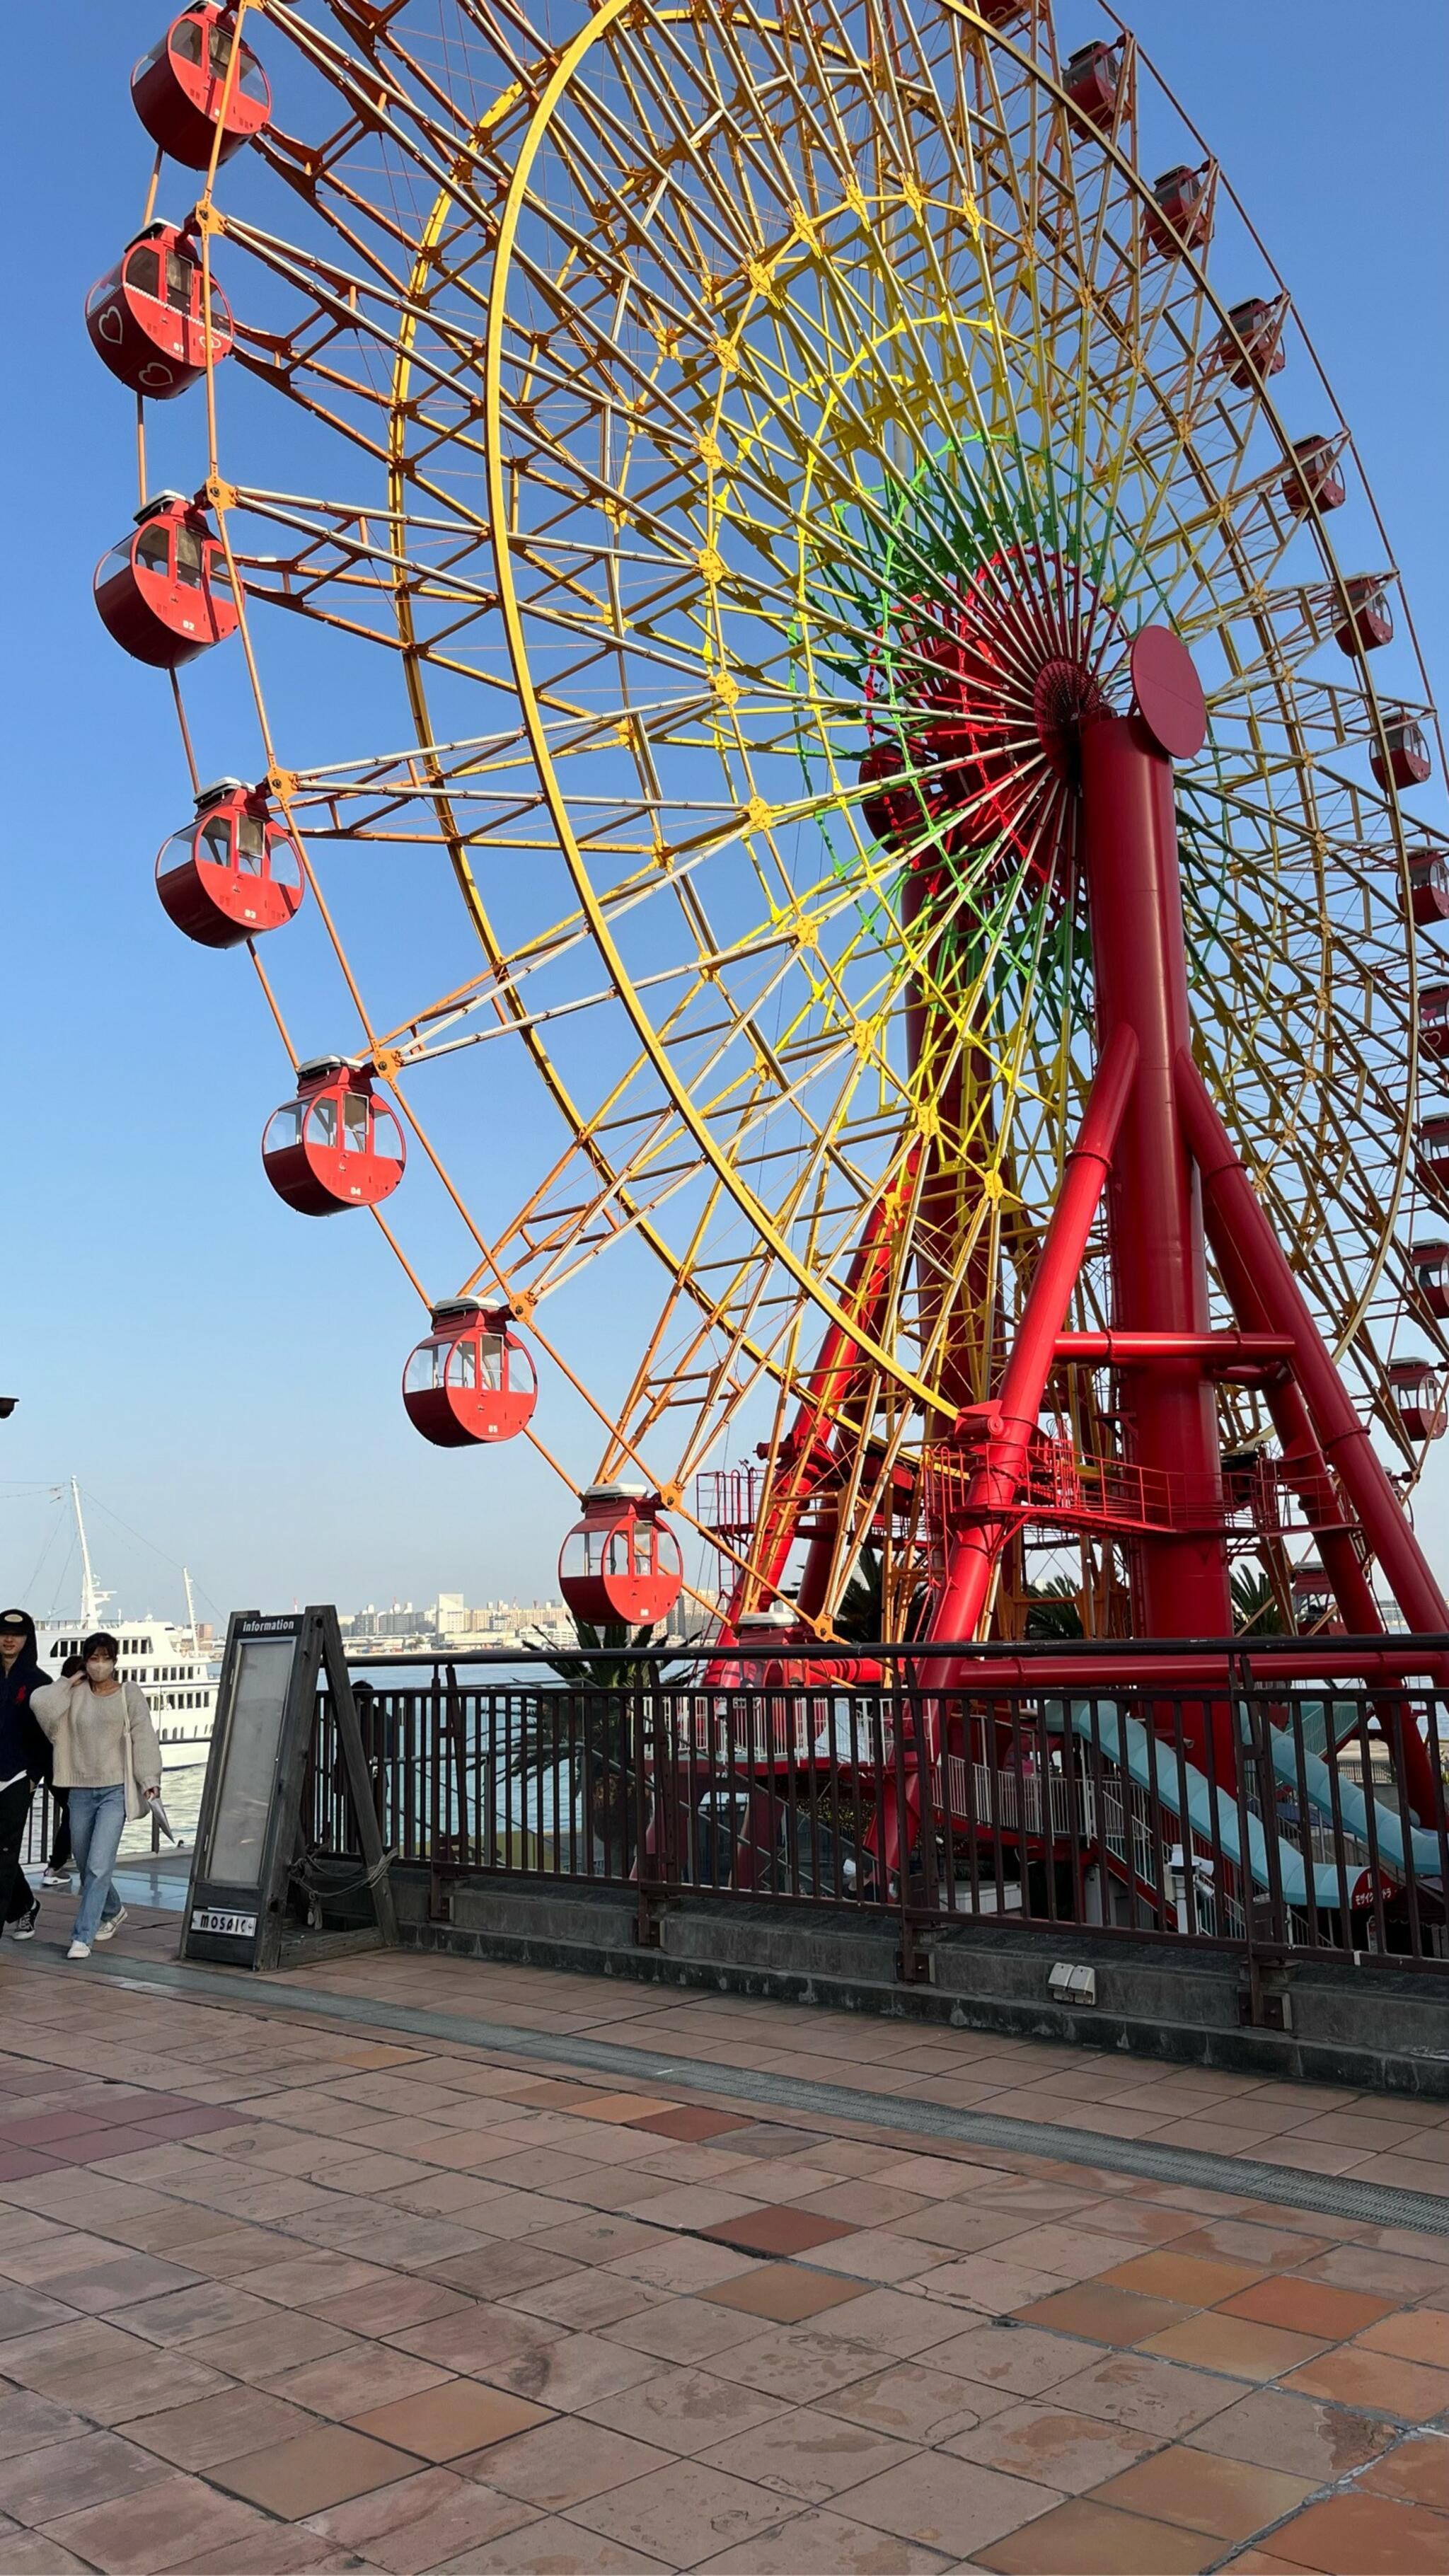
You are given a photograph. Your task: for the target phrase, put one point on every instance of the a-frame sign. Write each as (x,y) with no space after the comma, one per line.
(258,1898)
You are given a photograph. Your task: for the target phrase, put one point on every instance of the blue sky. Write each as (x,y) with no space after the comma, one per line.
(222,1375)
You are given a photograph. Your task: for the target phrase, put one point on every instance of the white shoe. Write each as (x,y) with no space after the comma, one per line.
(55,1878)
(79,1950)
(109,1923)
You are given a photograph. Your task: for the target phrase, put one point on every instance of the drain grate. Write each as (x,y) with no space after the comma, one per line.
(1238,2177)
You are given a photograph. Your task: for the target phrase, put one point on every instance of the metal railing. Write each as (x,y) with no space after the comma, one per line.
(1232,1815)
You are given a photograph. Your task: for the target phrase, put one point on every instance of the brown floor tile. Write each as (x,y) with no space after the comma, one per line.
(947,2503)
(28,2422)
(682,2514)
(1415,2334)
(573,2372)
(106,2375)
(1247,2240)
(1088,2539)
(690,2122)
(778,2228)
(182,2316)
(827,2543)
(784,2292)
(277,2343)
(1365,2535)
(1311,2308)
(686,2329)
(341,2384)
(675,2264)
(439,2526)
(1192,2280)
(685,2410)
(1226,2498)
(1417,2472)
(1163,2398)
(383,2311)
(314,2469)
(1213,2341)
(162,2526)
(552,2547)
(1101,2313)
(444,2422)
(1298,2434)
(1353,2377)
(26,2311)
(1024,2359)
(473,2338)
(564,2461)
(810,2455)
(62,2477)
(621,2107)
(916,2403)
(496,2269)
(586,2301)
(278,2549)
(218,2428)
(1054,2447)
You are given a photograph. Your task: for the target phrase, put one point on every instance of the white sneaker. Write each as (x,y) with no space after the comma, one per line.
(79,1950)
(55,1878)
(109,1923)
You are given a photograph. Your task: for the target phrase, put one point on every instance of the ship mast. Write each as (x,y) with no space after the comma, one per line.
(190,1607)
(91,1599)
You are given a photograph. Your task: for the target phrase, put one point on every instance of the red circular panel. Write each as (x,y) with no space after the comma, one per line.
(1168,692)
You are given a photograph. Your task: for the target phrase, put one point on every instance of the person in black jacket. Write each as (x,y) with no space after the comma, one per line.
(23,1761)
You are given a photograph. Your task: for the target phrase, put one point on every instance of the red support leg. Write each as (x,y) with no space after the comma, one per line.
(992,1495)
(1159,1264)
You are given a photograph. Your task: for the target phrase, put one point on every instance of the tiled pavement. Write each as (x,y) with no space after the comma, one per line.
(284,2295)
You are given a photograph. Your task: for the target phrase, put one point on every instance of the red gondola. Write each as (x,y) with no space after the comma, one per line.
(620,1565)
(1370,621)
(1418,1391)
(177,89)
(1429,887)
(1434,1022)
(1001,14)
(165,594)
(1408,763)
(472,1379)
(1434,1153)
(1431,1270)
(232,873)
(147,316)
(1315,478)
(1181,215)
(1091,78)
(1258,323)
(334,1146)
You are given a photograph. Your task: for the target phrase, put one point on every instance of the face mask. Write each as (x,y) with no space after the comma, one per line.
(100,1668)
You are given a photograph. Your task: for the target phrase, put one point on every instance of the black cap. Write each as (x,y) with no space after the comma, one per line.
(14,1623)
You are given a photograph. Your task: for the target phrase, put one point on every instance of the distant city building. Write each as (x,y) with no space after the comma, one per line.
(450,1620)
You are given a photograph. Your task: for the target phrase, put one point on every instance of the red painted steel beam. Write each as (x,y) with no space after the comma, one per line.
(1179,1581)
(806,1453)
(1236,1220)
(1210,1350)
(994,1489)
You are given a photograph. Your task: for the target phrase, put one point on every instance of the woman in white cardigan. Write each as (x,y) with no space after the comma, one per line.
(108,1757)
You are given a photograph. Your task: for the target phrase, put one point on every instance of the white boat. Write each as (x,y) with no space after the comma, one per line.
(176,1669)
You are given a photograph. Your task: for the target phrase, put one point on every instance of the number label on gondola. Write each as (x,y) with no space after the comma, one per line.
(211,1918)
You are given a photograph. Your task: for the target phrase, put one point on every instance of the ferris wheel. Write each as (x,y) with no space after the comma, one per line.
(679,487)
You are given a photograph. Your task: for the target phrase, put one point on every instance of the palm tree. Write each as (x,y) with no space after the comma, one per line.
(1256,1608)
(862,1604)
(1054,1608)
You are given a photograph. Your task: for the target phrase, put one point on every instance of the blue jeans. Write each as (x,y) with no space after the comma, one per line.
(97,1821)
